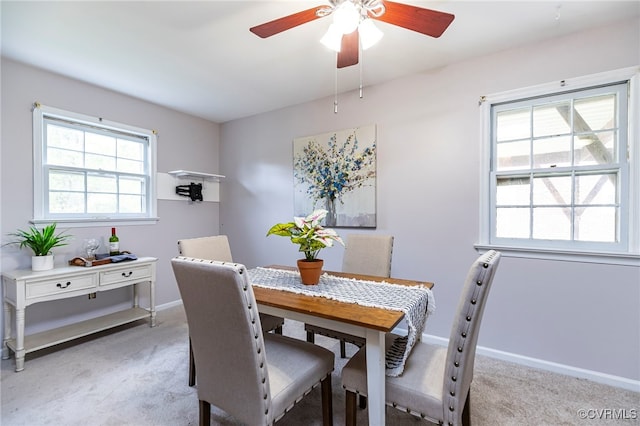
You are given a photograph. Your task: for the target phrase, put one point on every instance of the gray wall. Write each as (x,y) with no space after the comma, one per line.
(581,315)
(184,142)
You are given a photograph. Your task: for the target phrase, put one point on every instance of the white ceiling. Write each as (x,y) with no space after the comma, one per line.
(200,58)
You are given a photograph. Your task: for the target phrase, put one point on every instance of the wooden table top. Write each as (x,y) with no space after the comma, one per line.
(365,316)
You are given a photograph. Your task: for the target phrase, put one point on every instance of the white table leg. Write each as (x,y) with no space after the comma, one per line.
(20,352)
(8,319)
(152,302)
(376,381)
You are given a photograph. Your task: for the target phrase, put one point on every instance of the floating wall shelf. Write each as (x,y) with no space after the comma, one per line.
(167,183)
(185,174)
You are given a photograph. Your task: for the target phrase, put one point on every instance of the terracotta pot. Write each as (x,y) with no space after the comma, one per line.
(310,271)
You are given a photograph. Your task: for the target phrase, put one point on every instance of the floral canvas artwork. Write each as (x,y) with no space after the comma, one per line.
(336,171)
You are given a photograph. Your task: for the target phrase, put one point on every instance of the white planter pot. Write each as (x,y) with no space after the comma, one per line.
(41,263)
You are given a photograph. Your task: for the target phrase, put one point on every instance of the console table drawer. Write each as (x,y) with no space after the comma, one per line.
(132,273)
(59,286)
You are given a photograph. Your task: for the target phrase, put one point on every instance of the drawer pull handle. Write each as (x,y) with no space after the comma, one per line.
(67,284)
(127,274)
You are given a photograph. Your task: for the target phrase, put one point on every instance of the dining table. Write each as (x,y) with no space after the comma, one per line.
(363,320)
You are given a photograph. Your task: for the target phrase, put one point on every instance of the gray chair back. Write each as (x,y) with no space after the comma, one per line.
(464,335)
(368,254)
(227,340)
(213,248)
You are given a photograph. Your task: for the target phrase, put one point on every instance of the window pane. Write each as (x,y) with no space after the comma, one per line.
(64,137)
(100,144)
(513,124)
(100,162)
(131,204)
(514,191)
(596,188)
(64,157)
(129,185)
(552,152)
(102,183)
(552,120)
(66,202)
(513,155)
(130,149)
(102,203)
(595,113)
(552,223)
(552,191)
(512,222)
(596,224)
(69,181)
(594,148)
(129,166)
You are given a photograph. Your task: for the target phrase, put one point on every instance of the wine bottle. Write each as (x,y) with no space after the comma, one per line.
(114,243)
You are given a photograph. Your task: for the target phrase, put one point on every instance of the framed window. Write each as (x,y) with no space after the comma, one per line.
(87,169)
(560,173)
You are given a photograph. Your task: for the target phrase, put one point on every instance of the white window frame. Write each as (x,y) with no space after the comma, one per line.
(629,253)
(40,186)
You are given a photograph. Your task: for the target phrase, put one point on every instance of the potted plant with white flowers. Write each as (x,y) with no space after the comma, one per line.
(312,237)
(40,242)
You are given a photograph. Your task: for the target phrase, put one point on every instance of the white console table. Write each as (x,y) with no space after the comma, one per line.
(22,288)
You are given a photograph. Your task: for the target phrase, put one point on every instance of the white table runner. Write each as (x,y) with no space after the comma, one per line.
(417,302)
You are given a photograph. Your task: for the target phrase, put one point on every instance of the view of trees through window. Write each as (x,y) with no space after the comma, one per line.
(94,171)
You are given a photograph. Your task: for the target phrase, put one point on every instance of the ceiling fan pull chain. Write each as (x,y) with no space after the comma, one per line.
(361,66)
(335,90)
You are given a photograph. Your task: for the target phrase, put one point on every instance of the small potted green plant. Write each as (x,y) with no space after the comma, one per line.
(40,242)
(311,237)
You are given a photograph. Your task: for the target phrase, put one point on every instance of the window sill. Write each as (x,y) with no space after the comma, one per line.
(623,259)
(87,223)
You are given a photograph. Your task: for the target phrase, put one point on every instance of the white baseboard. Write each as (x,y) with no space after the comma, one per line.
(595,376)
(169,305)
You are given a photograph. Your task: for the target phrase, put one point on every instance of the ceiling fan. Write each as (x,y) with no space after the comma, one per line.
(353,20)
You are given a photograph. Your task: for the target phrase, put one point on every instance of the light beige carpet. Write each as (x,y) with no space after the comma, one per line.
(138,376)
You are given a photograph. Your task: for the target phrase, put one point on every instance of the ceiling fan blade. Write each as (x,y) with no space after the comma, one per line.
(285,23)
(348,54)
(425,21)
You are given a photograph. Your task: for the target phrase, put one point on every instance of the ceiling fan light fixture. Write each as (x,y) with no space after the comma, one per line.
(369,34)
(332,39)
(347,17)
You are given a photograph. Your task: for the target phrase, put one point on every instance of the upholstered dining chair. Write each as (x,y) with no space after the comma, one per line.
(368,254)
(253,376)
(217,247)
(435,384)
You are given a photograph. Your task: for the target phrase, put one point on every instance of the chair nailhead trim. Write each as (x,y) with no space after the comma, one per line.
(469,318)
(451,408)
(452,393)
(454,378)
(473,301)
(479,282)
(459,349)
(457,364)
(464,334)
